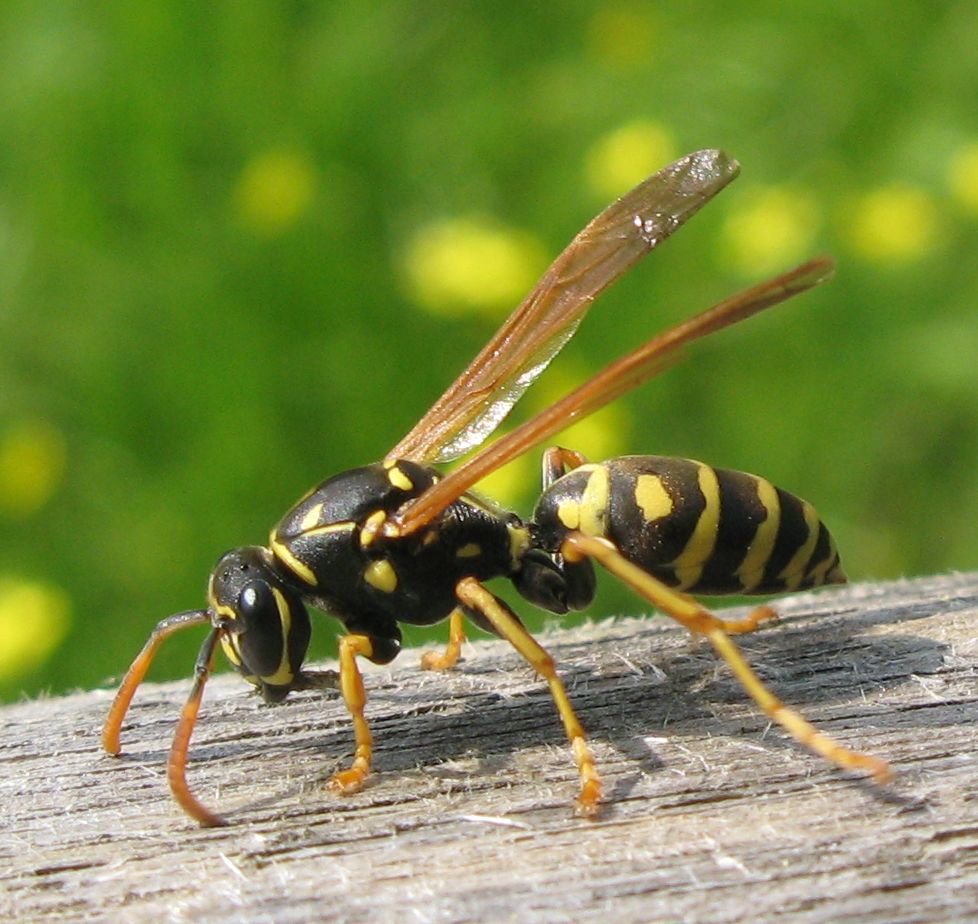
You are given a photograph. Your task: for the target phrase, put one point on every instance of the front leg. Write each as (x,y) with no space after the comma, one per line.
(379,651)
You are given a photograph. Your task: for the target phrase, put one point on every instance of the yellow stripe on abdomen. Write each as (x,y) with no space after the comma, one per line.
(751,570)
(794,572)
(688,565)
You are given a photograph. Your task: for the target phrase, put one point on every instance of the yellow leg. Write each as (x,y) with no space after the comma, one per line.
(355,697)
(474,595)
(690,614)
(753,620)
(432,661)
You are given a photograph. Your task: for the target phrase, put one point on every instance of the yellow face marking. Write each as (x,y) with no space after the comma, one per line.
(311,517)
(470,550)
(230,650)
(212,601)
(398,478)
(371,527)
(794,572)
(284,554)
(751,570)
(381,574)
(652,498)
(594,500)
(283,674)
(688,565)
(223,610)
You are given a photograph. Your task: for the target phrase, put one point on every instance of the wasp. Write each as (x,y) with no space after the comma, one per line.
(400,542)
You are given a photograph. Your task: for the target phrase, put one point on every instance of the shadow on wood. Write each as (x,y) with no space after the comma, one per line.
(710,817)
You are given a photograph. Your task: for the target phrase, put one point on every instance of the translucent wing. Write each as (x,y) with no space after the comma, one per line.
(622,375)
(534,333)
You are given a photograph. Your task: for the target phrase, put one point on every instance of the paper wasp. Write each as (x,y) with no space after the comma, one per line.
(399,542)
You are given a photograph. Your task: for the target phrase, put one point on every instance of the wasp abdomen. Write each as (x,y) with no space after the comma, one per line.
(697,528)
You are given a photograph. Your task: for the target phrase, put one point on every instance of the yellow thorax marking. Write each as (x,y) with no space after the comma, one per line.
(311,517)
(469,550)
(397,477)
(381,574)
(371,527)
(284,554)
(519,542)
(343,526)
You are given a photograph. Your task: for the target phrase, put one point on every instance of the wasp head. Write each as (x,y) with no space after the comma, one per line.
(265,626)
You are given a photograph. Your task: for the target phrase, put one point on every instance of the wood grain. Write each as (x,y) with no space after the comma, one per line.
(710,816)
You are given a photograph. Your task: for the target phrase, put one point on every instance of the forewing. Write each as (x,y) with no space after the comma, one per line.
(622,375)
(482,396)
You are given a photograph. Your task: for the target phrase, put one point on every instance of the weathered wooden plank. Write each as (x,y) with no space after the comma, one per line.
(709,817)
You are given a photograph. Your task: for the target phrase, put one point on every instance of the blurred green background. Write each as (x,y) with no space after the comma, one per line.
(244,245)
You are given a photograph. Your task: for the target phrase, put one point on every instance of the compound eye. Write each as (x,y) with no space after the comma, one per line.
(255,598)
(258,629)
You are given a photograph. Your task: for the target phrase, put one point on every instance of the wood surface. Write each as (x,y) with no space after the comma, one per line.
(710,815)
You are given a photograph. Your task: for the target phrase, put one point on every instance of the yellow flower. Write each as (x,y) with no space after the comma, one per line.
(963,176)
(893,224)
(623,35)
(34,618)
(32,463)
(773,230)
(599,436)
(626,156)
(462,264)
(274,191)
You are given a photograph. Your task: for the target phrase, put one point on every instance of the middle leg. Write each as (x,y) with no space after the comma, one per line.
(509,627)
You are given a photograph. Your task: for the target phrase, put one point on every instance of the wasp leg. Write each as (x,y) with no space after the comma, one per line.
(756,618)
(508,626)
(558,461)
(690,614)
(176,766)
(432,661)
(355,697)
(137,672)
